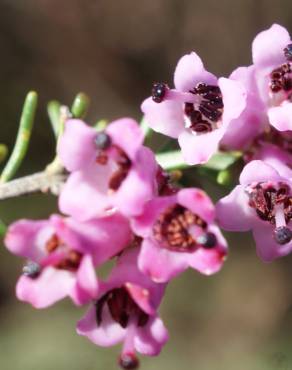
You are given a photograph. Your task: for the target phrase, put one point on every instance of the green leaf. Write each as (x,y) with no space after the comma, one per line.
(222,160)
(80,105)
(23,137)
(225,177)
(3,152)
(171,160)
(3,229)
(53,109)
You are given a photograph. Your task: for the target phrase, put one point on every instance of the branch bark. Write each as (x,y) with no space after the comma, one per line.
(39,182)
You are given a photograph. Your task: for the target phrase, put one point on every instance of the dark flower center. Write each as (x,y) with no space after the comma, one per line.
(159,90)
(122,307)
(121,159)
(72,258)
(264,197)
(172,230)
(280,79)
(165,183)
(209,110)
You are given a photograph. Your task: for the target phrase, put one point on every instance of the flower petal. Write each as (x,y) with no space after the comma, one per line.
(142,225)
(108,333)
(76,147)
(166,117)
(190,71)
(23,238)
(268,46)
(281,117)
(83,196)
(198,148)
(234,98)
(267,248)
(150,339)
(198,202)
(51,286)
(160,264)
(210,261)
(86,287)
(233,212)
(138,187)
(258,171)
(126,134)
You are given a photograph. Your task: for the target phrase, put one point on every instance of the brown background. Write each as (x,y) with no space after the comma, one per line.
(114,50)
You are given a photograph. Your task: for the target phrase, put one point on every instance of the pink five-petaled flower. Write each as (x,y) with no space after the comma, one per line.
(261,203)
(126,311)
(110,169)
(272,75)
(179,232)
(62,255)
(198,111)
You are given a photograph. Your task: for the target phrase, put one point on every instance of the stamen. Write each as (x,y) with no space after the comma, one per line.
(210,106)
(207,240)
(128,361)
(283,235)
(122,307)
(271,201)
(103,141)
(124,164)
(280,78)
(31,269)
(279,216)
(69,260)
(288,52)
(159,91)
(172,230)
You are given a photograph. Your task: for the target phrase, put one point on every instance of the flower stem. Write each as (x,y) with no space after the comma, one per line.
(23,137)
(146,129)
(39,182)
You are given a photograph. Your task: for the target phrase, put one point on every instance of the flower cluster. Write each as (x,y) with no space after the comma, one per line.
(119,205)
(251,111)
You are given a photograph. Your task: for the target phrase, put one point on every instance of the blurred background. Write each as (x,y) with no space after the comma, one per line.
(113,50)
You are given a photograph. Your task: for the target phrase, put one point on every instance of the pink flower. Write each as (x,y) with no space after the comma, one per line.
(261,203)
(272,58)
(62,256)
(110,169)
(198,111)
(179,232)
(126,311)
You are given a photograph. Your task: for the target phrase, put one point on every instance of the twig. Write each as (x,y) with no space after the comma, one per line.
(39,182)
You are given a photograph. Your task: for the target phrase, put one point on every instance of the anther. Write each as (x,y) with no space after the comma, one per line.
(288,52)
(31,269)
(283,235)
(159,90)
(128,361)
(102,141)
(207,240)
